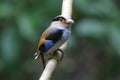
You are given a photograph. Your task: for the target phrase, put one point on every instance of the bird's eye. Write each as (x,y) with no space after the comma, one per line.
(62,20)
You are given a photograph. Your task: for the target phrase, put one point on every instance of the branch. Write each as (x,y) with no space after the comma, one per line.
(58,55)
(67,8)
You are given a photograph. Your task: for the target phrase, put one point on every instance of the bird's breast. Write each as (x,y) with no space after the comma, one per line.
(65,35)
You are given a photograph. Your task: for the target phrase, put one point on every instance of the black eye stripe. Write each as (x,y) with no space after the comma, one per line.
(58,18)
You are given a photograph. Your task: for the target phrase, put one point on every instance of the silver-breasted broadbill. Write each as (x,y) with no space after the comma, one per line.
(53,37)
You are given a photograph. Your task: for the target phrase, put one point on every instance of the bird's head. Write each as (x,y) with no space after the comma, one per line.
(61,20)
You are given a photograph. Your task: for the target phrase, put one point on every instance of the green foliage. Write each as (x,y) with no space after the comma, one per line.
(5,10)
(91,28)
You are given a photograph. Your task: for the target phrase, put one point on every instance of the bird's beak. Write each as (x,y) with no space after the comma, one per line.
(70,21)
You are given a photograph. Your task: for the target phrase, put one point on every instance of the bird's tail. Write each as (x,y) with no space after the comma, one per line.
(37,54)
(42,60)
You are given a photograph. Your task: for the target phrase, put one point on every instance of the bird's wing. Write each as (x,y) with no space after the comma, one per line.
(49,38)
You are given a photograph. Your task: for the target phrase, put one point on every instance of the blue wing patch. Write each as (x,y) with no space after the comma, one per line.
(46,45)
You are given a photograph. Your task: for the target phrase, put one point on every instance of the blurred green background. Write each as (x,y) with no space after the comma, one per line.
(94,47)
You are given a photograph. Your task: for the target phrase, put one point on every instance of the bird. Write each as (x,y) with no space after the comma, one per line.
(53,37)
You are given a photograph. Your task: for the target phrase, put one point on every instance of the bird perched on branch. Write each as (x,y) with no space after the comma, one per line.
(53,37)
